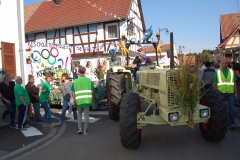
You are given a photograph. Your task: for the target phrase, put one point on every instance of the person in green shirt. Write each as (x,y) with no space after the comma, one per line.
(225,82)
(22,102)
(44,98)
(82,89)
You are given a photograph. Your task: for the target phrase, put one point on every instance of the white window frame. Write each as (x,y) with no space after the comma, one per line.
(106,28)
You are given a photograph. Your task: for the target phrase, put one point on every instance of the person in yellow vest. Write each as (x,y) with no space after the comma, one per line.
(225,82)
(82,89)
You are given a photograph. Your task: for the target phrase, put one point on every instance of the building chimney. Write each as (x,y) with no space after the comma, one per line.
(58,2)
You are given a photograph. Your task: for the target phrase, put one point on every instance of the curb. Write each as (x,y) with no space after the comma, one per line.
(37,145)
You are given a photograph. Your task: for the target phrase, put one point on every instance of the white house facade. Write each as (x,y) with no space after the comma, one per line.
(12,59)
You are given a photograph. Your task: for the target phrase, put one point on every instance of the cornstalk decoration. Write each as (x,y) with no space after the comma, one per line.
(187,88)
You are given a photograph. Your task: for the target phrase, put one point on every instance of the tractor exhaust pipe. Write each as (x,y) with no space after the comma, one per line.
(171,51)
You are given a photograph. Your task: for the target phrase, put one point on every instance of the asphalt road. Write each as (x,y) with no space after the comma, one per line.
(158,142)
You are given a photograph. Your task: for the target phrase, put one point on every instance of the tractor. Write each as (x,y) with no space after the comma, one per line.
(125,98)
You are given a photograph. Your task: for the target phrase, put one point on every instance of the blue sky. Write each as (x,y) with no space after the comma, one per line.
(195,23)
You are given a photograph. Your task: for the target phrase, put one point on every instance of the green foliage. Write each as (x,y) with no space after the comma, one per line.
(48,71)
(187,88)
(100,93)
(99,73)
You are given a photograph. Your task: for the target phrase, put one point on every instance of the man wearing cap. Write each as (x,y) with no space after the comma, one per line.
(138,61)
(22,102)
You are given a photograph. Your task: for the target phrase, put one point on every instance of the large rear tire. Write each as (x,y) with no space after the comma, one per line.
(216,127)
(130,134)
(116,87)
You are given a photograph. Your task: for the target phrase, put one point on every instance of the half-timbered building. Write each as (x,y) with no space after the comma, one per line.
(89,28)
(229,46)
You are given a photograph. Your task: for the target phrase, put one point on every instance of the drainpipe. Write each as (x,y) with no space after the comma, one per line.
(20,11)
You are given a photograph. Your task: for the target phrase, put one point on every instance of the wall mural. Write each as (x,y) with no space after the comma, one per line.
(50,56)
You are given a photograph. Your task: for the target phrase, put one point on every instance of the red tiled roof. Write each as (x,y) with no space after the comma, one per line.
(230,36)
(164,47)
(29,10)
(74,12)
(228,23)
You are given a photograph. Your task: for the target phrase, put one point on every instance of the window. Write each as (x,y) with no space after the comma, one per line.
(112,31)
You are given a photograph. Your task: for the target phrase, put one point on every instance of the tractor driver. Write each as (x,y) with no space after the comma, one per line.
(137,62)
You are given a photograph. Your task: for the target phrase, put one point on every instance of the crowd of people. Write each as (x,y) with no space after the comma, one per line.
(225,78)
(77,94)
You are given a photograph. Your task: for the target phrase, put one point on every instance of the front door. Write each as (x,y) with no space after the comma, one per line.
(8,59)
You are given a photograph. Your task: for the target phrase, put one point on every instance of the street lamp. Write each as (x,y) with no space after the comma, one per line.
(180,49)
(160,30)
(158,38)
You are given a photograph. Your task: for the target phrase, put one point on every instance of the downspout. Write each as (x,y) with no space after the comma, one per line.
(21,39)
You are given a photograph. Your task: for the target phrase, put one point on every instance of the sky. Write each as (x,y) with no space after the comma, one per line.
(195,24)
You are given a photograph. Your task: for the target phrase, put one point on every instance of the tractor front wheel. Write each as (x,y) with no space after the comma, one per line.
(216,126)
(129,133)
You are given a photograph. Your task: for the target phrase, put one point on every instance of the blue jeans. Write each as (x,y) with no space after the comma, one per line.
(64,109)
(47,114)
(36,107)
(231,110)
(11,109)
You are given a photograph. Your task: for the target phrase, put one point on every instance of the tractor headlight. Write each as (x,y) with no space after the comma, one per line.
(204,113)
(172,117)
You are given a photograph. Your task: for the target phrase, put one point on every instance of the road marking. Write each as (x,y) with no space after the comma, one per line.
(91,120)
(31,131)
(103,113)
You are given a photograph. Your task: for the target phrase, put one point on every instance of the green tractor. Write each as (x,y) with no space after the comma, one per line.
(125,99)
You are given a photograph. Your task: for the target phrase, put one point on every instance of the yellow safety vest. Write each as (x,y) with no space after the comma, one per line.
(225,85)
(83,92)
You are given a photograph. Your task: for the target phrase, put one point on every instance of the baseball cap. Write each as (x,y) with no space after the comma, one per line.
(140,49)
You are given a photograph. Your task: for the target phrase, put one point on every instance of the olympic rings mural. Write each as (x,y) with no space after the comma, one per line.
(46,54)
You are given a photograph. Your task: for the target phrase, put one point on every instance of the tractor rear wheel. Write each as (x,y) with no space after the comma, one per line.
(216,126)
(116,87)
(129,133)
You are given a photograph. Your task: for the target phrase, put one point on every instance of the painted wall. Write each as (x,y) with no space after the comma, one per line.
(46,55)
(11,17)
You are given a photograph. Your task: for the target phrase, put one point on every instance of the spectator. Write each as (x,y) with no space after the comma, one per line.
(89,71)
(44,98)
(236,69)
(33,92)
(201,71)
(225,82)
(67,97)
(8,98)
(216,66)
(59,72)
(75,71)
(208,75)
(82,95)
(22,102)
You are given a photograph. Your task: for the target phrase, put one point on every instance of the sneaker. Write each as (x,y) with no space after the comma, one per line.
(53,124)
(80,131)
(12,126)
(26,126)
(21,129)
(86,132)
(46,125)
(3,115)
(58,124)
